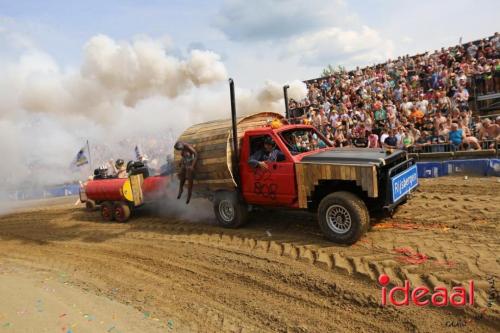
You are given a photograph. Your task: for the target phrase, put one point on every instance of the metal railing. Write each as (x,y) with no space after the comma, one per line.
(450,147)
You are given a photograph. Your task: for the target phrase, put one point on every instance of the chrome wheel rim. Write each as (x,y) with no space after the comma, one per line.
(226,211)
(338,219)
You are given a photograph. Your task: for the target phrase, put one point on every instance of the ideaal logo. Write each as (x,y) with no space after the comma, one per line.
(422,296)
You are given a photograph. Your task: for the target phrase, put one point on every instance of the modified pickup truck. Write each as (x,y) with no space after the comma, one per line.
(341,185)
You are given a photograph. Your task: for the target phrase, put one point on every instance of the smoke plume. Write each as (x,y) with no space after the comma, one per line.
(121,93)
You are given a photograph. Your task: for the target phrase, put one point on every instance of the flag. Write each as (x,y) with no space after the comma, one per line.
(138,154)
(80,159)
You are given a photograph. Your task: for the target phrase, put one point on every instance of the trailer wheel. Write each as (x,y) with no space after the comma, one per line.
(122,212)
(107,211)
(90,205)
(229,210)
(343,217)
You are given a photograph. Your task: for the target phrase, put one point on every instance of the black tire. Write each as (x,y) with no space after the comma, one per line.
(229,210)
(343,217)
(90,205)
(107,211)
(121,212)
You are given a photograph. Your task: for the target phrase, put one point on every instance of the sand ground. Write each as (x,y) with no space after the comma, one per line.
(42,301)
(276,274)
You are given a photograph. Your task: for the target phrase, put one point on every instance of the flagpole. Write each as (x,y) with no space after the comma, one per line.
(90,157)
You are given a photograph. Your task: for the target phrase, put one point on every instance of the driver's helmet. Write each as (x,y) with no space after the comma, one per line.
(119,163)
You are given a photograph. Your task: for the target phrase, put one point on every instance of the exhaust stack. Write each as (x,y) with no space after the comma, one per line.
(235,161)
(287,108)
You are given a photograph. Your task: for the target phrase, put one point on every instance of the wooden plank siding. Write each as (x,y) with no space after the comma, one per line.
(213,143)
(308,175)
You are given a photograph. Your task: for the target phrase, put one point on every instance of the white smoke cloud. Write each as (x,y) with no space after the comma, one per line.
(122,91)
(112,74)
(142,69)
(270,97)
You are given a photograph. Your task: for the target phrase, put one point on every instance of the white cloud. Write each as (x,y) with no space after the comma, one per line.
(243,20)
(406,39)
(343,47)
(314,32)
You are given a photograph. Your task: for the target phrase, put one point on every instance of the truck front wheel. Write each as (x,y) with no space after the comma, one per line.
(229,210)
(343,217)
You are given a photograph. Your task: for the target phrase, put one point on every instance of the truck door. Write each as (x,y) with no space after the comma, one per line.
(271,186)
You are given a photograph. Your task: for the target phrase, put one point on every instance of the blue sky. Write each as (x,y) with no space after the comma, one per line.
(258,40)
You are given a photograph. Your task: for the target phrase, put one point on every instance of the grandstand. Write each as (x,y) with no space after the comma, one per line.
(447,100)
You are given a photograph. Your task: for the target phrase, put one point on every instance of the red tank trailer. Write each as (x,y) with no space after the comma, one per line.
(118,197)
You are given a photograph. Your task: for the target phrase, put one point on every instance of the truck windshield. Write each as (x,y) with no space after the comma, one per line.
(300,140)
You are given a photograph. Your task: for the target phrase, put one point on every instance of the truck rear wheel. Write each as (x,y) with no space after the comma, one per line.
(343,217)
(122,212)
(107,211)
(229,210)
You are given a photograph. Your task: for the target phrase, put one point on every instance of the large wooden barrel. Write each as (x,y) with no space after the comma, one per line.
(213,143)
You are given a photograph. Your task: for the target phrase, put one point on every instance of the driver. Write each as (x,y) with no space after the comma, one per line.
(267,153)
(119,169)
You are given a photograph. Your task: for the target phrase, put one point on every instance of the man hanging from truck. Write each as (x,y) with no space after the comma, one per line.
(187,165)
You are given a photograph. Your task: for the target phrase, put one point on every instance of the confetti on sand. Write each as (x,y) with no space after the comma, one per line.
(409,256)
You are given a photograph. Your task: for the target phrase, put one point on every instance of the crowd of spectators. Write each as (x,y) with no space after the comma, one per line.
(419,103)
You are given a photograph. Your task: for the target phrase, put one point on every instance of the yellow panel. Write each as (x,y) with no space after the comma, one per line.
(127,191)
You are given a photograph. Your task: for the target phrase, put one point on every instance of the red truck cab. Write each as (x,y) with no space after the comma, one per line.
(276,185)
